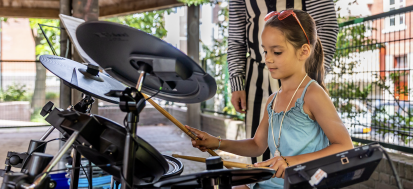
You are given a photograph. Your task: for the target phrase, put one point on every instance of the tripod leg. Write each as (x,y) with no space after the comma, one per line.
(90,175)
(128,156)
(112,183)
(47,133)
(74,180)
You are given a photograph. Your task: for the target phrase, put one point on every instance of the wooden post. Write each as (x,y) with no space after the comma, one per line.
(65,48)
(194,110)
(87,10)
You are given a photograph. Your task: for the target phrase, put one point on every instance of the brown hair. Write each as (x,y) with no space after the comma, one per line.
(314,65)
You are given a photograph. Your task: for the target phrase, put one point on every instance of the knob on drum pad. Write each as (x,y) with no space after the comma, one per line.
(72,74)
(121,50)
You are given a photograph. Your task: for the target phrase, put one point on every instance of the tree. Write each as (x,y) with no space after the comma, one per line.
(150,22)
(42,47)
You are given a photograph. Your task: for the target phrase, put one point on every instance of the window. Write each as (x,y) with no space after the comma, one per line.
(395,22)
(392,21)
(400,62)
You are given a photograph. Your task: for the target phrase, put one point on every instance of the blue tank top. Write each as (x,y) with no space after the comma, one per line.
(300,135)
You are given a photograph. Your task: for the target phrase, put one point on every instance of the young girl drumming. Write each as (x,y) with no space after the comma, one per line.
(300,122)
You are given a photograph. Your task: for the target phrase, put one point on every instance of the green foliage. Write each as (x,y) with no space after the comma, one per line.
(351,41)
(194,2)
(15,92)
(149,22)
(36,117)
(52,96)
(215,61)
(53,34)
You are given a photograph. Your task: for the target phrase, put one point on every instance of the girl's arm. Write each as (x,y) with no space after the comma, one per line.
(325,114)
(251,147)
(322,109)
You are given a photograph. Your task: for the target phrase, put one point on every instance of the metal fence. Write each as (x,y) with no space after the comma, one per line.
(25,87)
(371,85)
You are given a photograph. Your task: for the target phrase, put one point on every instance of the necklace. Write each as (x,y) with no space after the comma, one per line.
(277,152)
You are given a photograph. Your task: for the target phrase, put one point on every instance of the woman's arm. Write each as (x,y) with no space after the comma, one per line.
(324,112)
(324,15)
(237,47)
(252,147)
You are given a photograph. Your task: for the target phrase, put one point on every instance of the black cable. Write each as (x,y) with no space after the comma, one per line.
(396,176)
(47,39)
(87,177)
(160,88)
(28,156)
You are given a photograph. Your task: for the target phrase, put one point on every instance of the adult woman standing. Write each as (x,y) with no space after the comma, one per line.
(250,80)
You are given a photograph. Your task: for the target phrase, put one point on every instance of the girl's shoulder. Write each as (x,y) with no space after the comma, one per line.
(270,98)
(315,93)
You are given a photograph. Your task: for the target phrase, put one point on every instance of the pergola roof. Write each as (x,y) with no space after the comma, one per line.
(50,8)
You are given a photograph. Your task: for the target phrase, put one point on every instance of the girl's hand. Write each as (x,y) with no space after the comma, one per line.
(276,163)
(206,141)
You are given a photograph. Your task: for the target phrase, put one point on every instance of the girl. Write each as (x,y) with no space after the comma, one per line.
(300,122)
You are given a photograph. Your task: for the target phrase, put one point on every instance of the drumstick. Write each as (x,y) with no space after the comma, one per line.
(175,121)
(226,163)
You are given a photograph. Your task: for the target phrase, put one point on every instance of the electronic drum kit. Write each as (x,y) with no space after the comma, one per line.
(124,66)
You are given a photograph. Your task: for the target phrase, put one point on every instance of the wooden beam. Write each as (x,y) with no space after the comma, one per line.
(131,7)
(29,12)
(194,110)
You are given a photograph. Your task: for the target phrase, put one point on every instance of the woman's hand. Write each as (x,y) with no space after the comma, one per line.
(239,101)
(276,163)
(206,141)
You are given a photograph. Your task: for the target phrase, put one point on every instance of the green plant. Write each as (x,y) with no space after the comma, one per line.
(36,117)
(53,34)
(52,96)
(351,41)
(149,22)
(42,47)
(14,92)
(195,2)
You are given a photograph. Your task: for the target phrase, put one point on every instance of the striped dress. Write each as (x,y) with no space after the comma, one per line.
(246,22)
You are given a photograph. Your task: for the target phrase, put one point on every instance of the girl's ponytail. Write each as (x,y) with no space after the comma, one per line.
(315,64)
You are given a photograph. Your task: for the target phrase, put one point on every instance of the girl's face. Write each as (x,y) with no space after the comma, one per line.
(280,55)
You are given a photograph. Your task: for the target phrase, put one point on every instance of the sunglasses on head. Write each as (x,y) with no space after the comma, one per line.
(284,14)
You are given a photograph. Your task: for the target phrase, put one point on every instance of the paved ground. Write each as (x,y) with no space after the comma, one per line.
(11,123)
(166,139)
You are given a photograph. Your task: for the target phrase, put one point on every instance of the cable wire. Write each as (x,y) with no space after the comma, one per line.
(396,176)
(28,156)
(160,88)
(87,177)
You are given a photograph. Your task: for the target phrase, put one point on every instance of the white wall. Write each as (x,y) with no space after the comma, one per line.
(172,26)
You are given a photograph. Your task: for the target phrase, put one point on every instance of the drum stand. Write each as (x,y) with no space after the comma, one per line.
(15,159)
(132,102)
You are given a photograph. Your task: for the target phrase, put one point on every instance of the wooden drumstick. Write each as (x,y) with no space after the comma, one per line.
(176,122)
(226,163)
